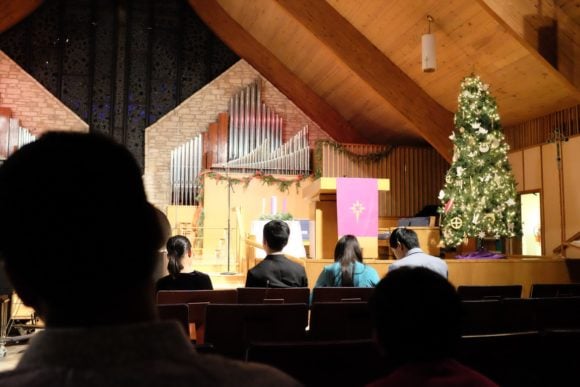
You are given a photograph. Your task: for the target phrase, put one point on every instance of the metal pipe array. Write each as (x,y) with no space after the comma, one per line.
(251,122)
(186,164)
(24,135)
(292,157)
(255,138)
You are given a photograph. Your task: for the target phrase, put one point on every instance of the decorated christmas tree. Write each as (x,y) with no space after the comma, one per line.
(479,199)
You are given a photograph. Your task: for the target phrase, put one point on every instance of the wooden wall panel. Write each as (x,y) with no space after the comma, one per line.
(533,172)
(571,161)
(416,174)
(539,130)
(551,200)
(517,162)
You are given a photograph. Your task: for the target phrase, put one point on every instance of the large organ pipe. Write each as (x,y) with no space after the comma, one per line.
(185,167)
(254,143)
(230,136)
(251,117)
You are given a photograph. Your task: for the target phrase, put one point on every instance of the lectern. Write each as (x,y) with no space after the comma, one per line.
(322,194)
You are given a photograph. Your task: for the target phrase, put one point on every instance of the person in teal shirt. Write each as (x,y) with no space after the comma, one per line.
(348,268)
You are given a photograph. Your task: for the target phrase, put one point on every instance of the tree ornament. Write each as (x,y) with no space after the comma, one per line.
(448,206)
(456,223)
(491,217)
(484,148)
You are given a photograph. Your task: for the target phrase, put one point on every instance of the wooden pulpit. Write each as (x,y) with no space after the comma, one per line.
(322,194)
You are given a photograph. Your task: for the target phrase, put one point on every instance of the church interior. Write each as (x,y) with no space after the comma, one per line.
(243,111)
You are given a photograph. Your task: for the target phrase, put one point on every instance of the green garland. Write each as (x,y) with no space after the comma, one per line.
(283,184)
(355,157)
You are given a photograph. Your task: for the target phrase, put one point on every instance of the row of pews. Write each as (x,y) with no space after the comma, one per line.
(325,337)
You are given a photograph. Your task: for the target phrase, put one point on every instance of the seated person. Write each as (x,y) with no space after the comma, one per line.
(417,314)
(177,248)
(348,269)
(276,271)
(405,246)
(88,273)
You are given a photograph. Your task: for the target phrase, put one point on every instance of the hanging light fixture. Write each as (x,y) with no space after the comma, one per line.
(428,54)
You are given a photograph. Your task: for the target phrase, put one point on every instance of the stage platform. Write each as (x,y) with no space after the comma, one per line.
(513,270)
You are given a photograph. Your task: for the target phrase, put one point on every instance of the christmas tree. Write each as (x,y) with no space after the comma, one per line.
(479,199)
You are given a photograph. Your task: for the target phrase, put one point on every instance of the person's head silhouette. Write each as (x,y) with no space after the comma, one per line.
(77,233)
(417,315)
(275,236)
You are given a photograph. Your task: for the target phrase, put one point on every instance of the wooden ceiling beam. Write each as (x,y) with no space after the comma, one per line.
(434,122)
(243,44)
(539,27)
(13,11)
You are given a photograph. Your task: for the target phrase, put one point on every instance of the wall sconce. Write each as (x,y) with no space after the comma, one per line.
(428,54)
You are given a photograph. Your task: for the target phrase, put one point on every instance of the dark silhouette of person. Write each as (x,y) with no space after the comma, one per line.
(178,247)
(417,318)
(348,269)
(276,271)
(88,273)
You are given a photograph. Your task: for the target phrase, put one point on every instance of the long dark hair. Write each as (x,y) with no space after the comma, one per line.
(177,247)
(347,252)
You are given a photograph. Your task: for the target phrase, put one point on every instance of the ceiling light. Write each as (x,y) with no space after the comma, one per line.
(428,54)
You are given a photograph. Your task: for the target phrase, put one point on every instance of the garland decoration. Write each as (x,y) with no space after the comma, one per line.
(283,184)
(354,157)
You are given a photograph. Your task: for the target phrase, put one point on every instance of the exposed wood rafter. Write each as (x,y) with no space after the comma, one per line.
(434,122)
(270,67)
(13,11)
(523,20)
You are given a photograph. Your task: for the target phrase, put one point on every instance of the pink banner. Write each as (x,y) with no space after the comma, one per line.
(357,206)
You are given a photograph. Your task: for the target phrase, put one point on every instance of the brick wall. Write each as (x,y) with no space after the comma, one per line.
(202,108)
(36,108)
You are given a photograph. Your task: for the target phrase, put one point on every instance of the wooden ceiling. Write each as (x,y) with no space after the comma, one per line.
(361,59)
(354,66)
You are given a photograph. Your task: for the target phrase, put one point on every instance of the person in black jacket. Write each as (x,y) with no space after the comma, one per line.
(177,248)
(276,271)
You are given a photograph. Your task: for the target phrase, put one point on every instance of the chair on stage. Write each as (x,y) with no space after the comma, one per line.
(472,292)
(323,363)
(230,329)
(224,296)
(340,321)
(177,312)
(341,294)
(555,290)
(273,295)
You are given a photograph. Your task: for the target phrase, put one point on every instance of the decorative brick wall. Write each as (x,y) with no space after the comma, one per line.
(202,108)
(36,108)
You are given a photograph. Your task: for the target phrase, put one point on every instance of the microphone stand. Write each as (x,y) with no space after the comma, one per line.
(228,238)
